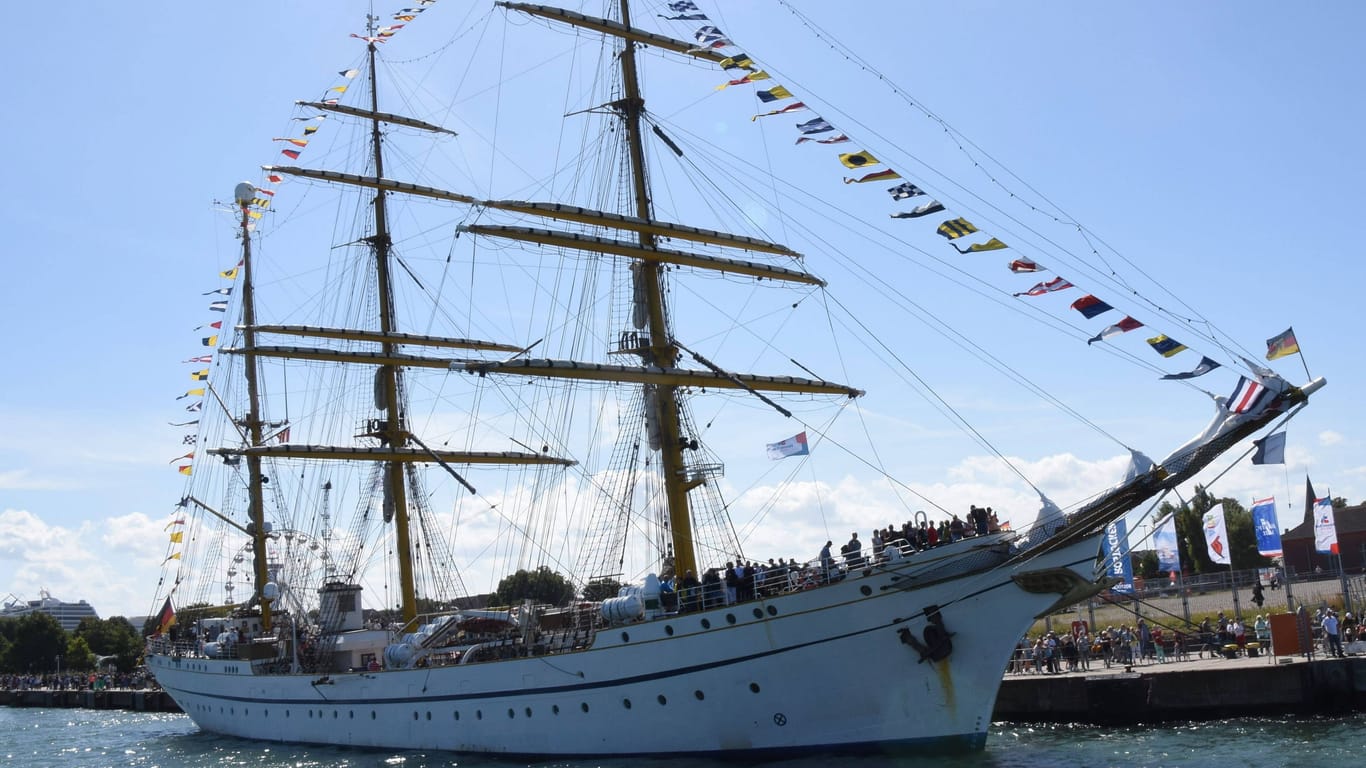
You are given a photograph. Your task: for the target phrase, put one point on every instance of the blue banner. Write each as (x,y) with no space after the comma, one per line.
(1168,551)
(1267,527)
(1116,549)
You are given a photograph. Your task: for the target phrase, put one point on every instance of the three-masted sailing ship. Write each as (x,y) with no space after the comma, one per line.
(644,658)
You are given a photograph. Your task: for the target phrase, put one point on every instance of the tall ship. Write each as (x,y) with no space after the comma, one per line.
(460,471)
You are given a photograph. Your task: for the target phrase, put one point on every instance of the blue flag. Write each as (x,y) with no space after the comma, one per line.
(1267,527)
(1270,449)
(1164,541)
(1116,547)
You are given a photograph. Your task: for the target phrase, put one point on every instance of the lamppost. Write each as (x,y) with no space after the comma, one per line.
(59,664)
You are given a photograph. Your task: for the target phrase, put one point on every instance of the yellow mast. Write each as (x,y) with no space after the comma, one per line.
(257,529)
(661,351)
(393,430)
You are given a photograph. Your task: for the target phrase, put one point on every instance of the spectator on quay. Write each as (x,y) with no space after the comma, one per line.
(1331,634)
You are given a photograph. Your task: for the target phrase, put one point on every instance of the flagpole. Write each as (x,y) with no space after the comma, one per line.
(1233,583)
(1300,351)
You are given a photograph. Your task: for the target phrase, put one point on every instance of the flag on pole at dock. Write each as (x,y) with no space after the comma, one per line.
(1165,542)
(793,446)
(1116,554)
(1325,530)
(1216,535)
(1268,530)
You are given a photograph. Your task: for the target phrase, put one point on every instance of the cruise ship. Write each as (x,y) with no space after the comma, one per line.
(69,615)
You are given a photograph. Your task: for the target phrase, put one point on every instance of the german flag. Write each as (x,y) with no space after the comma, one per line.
(166,619)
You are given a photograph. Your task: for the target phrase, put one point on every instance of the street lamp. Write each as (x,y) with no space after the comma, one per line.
(59,664)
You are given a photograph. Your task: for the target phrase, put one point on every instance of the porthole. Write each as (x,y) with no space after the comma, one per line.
(866,590)
(730,618)
(372,714)
(668,630)
(351,715)
(511,714)
(626,703)
(758,614)
(772,610)
(478,714)
(555,709)
(455,715)
(700,696)
(286,714)
(706,623)
(429,715)
(754,687)
(414,715)
(335,715)
(625,637)
(662,700)
(527,711)
(584,706)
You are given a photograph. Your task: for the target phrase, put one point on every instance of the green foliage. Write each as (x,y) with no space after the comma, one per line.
(78,656)
(541,586)
(1145,563)
(35,645)
(115,637)
(598,590)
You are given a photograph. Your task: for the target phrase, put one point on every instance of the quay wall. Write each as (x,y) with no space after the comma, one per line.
(136,701)
(1328,686)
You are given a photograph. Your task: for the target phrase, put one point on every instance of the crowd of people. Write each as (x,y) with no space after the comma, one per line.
(1140,643)
(79,681)
(740,580)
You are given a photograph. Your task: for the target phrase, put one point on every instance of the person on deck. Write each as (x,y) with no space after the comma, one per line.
(853,552)
(827,563)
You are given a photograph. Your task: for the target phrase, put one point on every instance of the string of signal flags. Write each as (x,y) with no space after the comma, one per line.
(818,130)
(265,193)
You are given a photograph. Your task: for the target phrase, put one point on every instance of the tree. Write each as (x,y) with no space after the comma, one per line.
(37,643)
(78,655)
(541,586)
(598,590)
(115,637)
(1145,563)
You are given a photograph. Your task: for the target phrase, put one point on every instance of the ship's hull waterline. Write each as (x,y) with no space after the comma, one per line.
(828,668)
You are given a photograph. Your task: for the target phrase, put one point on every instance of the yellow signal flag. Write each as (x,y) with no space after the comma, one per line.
(229,274)
(185,469)
(857,159)
(177,537)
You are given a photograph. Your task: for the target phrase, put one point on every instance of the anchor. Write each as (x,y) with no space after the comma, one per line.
(937,645)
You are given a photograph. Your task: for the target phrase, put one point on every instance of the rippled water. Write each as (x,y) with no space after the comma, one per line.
(75,738)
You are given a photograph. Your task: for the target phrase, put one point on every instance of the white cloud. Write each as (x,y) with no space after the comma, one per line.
(1329,438)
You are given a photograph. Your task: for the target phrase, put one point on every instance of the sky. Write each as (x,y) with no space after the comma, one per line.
(1215,145)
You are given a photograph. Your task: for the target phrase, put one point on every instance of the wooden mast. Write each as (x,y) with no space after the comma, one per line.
(256,511)
(393,428)
(663,399)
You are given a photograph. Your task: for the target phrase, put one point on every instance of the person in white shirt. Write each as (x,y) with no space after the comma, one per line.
(1330,633)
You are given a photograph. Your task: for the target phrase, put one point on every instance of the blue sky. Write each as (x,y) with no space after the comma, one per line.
(1215,145)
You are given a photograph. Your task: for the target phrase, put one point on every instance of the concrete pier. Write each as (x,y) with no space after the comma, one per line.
(136,701)
(1194,689)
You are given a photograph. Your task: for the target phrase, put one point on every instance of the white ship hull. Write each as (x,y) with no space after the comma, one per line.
(824,668)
